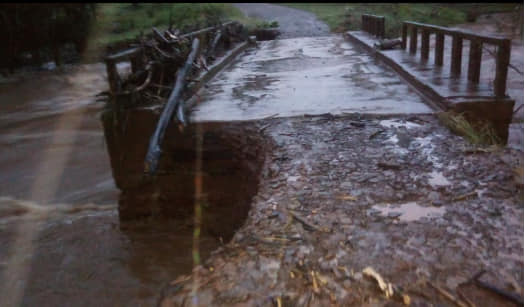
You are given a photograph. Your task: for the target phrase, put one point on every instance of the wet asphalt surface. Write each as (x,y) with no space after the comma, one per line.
(292,22)
(306,75)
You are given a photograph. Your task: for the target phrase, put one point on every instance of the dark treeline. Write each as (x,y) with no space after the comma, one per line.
(35,33)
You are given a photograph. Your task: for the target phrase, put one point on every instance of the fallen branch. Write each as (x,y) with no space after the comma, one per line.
(264,128)
(308,225)
(160,37)
(465,196)
(447,295)
(146,82)
(465,299)
(154,151)
(216,39)
(387,288)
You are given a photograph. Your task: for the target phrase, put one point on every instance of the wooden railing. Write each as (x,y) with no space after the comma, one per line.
(476,45)
(373,24)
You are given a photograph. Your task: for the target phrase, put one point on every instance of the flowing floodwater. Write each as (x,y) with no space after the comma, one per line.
(61,242)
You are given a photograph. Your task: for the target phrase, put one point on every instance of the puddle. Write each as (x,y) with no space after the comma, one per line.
(438,180)
(427,149)
(410,211)
(396,124)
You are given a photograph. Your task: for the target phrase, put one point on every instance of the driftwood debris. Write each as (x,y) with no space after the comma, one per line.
(387,44)
(166,70)
(155,59)
(152,157)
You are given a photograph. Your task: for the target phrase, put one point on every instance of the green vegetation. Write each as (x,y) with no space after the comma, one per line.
(266,24)
(122,21)
(481,134)
(341,16)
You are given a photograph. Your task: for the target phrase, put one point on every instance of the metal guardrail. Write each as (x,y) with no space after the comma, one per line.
(373,24)
(476,45)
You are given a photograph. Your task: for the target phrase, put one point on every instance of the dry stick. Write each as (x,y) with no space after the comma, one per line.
(448,295)
(152,157)
(464,298)
(160,37)
(308,225)
(214,43)
(146,82)
(465,196)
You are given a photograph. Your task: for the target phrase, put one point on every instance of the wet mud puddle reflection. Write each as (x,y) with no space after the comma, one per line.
(408,212)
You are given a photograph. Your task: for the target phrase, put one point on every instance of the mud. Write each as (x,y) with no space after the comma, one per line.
(337,173)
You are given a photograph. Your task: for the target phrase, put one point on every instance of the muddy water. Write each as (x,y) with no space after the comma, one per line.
(61,243)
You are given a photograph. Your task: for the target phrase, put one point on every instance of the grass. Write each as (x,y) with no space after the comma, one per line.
(347,16)
(481,134)
(118,22)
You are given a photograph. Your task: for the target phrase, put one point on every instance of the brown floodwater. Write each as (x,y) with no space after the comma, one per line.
(61,242)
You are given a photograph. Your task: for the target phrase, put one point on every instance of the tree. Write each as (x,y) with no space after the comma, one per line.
(42,29)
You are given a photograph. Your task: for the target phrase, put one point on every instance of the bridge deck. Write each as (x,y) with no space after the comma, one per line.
(440,78)
(311,75)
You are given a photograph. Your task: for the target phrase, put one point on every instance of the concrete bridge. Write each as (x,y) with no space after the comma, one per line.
(314,158)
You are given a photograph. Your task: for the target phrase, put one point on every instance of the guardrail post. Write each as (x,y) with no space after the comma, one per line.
(113,77)
(502,63)
(413,39)
(382,27)
(404,33)
(425,35)
(440,42)
(474,61)
(457,48)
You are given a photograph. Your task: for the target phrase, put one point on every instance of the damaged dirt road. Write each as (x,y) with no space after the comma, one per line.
(339,194)
(356,206)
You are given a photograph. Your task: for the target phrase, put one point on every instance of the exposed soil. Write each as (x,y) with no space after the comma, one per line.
(405,197)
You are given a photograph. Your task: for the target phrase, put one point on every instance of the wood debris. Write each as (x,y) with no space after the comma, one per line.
(387,288)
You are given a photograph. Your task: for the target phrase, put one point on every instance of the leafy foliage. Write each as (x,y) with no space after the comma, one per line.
(347,16)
